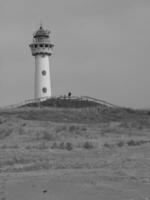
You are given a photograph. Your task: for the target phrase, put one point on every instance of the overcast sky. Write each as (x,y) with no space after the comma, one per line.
(102,49)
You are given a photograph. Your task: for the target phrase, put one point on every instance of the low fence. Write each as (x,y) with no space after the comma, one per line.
(39,100)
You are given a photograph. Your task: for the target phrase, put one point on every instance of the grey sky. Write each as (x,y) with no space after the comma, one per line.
(102,49)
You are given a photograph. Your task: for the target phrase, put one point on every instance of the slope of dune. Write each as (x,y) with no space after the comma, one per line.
(69,153)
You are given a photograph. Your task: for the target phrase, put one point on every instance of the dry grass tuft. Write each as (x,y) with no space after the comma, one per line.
(62,145)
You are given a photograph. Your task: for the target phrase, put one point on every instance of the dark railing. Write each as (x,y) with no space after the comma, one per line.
(39,101)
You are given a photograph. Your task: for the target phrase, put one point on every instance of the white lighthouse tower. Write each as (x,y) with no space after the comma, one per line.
(42,50)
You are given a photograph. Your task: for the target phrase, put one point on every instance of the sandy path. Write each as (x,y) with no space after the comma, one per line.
(74,185)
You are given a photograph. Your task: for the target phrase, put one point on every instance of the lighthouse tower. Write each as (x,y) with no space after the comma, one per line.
(41,48)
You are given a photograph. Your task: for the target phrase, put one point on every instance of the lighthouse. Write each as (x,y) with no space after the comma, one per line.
(41,49)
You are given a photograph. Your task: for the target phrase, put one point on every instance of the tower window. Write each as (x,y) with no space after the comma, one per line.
(43,72)
(41,45)
(44,89)
(35,45)
(46,45)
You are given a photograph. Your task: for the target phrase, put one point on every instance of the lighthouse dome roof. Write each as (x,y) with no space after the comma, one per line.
(41,32)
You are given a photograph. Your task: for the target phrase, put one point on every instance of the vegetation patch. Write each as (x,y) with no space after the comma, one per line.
(120,144)
(136,143)
(88,145)
(5,132)
(62,145)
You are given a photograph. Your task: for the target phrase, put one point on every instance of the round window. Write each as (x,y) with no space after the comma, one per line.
(43,72)
(44,89)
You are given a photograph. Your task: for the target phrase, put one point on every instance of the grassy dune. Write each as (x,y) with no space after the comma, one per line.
(108,144)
